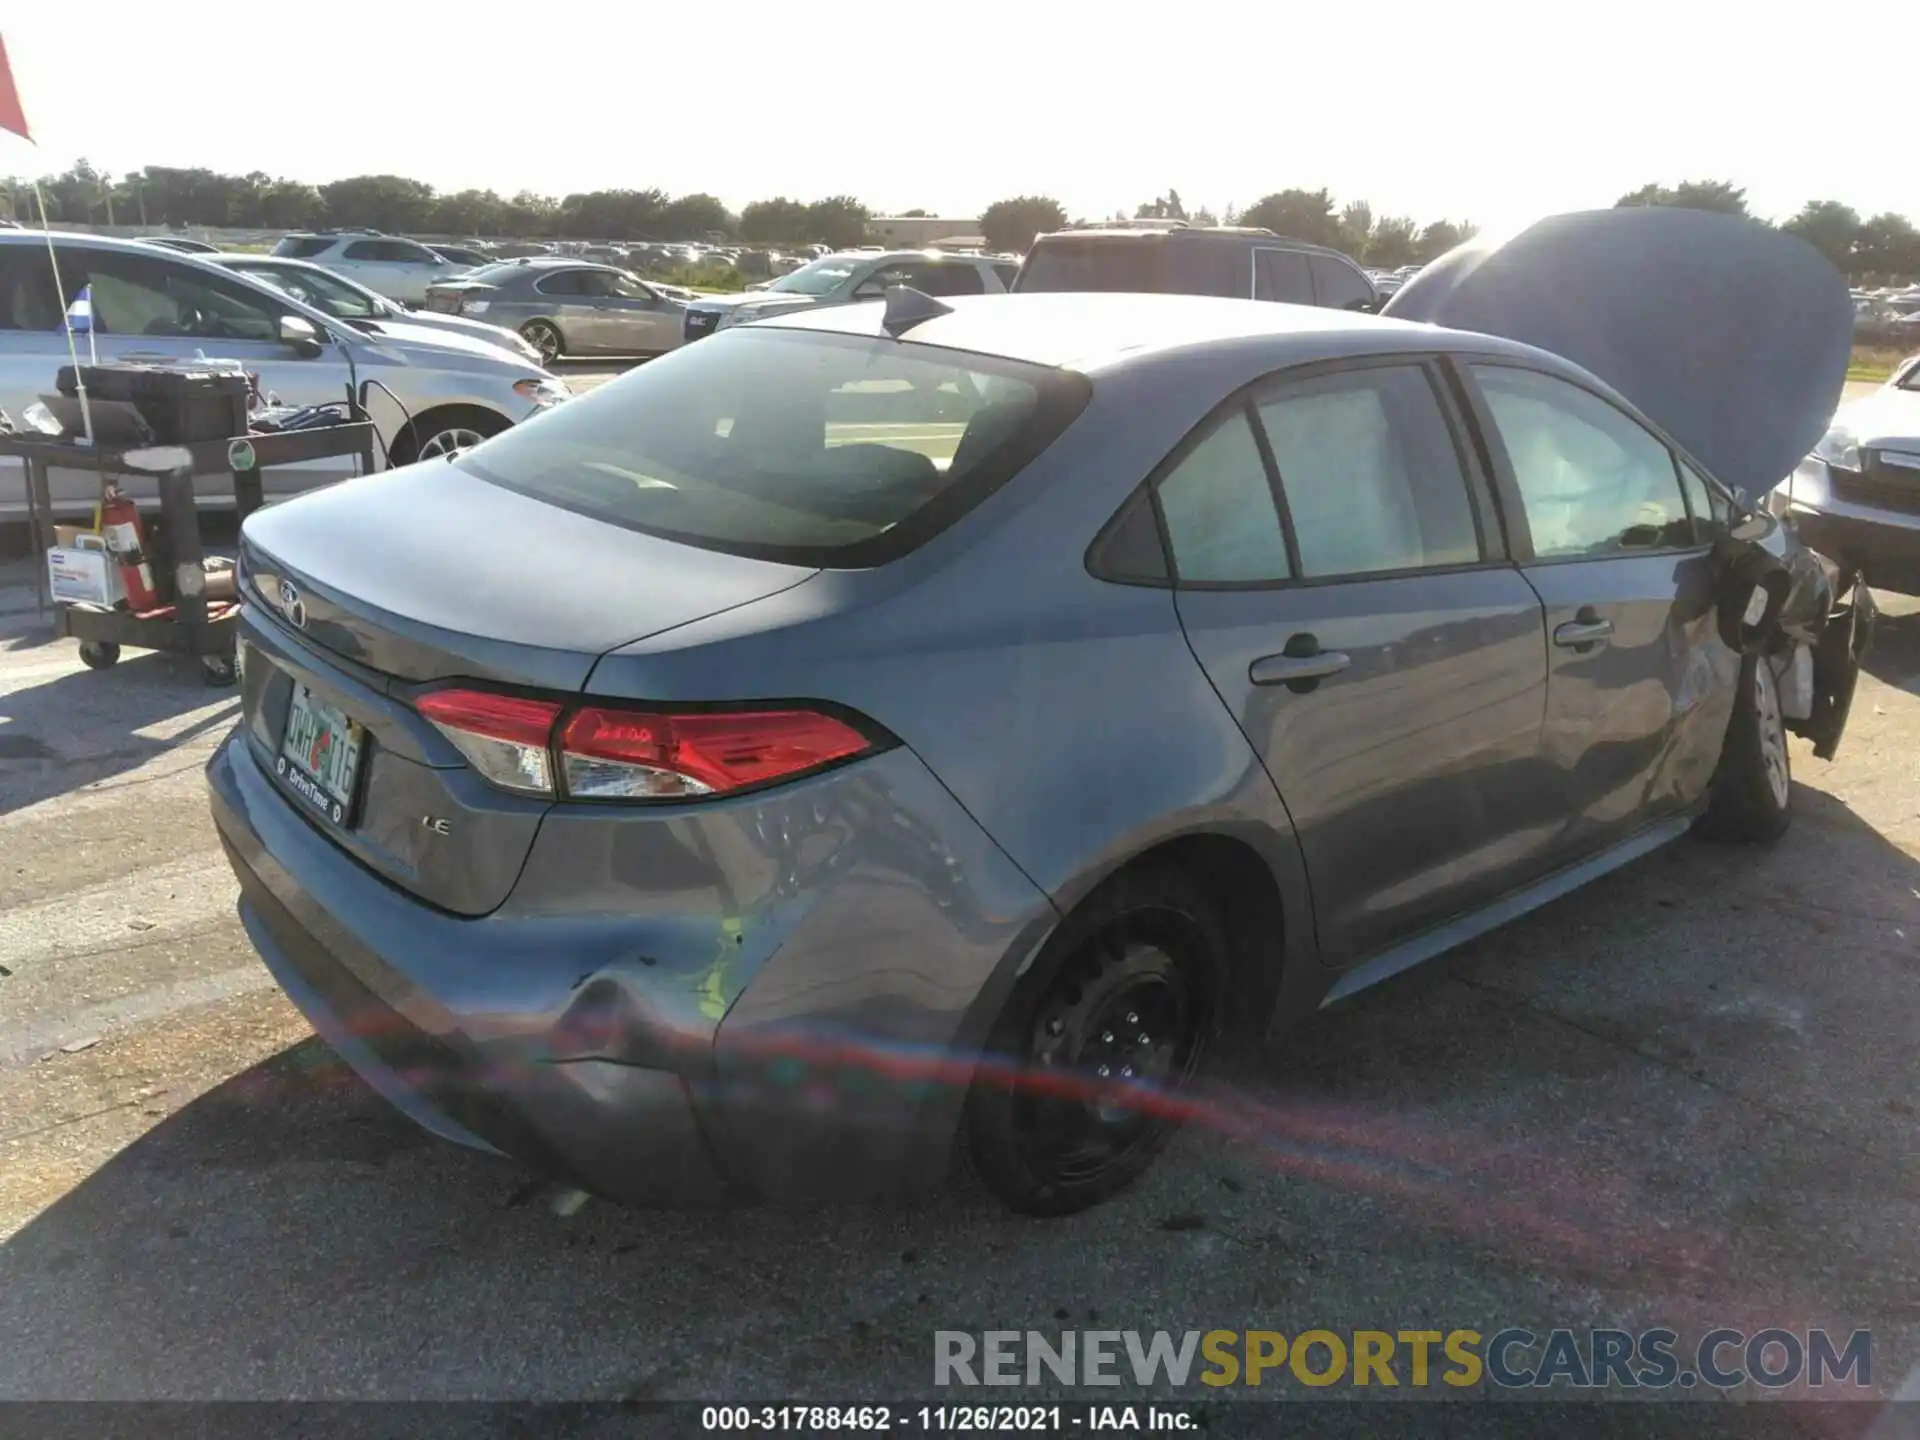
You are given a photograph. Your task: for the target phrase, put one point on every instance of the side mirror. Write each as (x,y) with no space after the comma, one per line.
(300,333)
(1758,525)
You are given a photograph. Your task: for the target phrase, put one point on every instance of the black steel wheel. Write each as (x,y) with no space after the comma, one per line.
(1082,1085)
(99,654)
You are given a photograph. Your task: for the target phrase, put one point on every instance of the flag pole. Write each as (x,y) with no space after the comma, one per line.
(66,322)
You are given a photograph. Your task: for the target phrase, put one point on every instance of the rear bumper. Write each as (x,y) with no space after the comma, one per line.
(802,1038)
(447,1057)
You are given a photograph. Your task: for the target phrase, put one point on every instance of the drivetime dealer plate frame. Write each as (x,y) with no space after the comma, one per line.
(320,753)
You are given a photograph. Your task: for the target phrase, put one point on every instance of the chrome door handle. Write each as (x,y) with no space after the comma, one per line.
(1291,669)
(1578,634)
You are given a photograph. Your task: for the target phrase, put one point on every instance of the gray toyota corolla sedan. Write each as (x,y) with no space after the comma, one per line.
(929,722)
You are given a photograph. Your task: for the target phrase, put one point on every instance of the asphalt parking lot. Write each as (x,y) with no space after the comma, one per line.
(1683,1096)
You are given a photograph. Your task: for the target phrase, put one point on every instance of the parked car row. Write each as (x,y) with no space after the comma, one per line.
(430,389)
(564,307)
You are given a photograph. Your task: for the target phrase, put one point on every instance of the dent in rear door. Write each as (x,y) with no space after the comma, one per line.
(1384,662)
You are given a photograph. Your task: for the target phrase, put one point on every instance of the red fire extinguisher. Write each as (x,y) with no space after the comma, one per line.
(126,541)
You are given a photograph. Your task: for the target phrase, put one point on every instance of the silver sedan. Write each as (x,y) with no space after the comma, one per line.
(354,303)
(566,307)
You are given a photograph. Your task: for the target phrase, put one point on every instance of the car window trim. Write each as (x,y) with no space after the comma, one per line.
(1509,483)
(1468,475)
(1479,482)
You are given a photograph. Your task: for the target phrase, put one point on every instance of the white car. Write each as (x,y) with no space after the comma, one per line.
(849,276)
(386,264)
(1857,496)
(362,308)
(429,393)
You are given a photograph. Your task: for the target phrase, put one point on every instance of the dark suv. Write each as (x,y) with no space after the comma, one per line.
(1190,260)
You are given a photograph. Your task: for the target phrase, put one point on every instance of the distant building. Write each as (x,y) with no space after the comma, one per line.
(920,232)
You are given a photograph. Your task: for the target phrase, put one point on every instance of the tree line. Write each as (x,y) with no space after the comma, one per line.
(1882,246)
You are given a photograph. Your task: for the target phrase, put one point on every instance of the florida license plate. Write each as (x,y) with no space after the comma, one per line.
(320,755)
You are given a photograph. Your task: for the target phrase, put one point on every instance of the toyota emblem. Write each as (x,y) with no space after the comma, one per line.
(292,606)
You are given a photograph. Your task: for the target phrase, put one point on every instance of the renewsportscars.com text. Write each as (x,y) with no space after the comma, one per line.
(1721,1359)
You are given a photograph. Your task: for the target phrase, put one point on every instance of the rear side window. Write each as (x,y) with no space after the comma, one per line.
(1137,264)
(790,445)
(1338,284)
(1282,275)
(303,247)
(1370,474)
(1219,511)
(933,277)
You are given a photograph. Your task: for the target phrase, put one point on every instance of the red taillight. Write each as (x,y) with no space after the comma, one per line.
(608,753)
(505,736)
(626,754)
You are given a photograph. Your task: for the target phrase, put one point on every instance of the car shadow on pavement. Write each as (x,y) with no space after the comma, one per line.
(1650,1099)
(1895,653)
(83,726)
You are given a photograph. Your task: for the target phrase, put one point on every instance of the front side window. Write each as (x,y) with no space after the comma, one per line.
(931,277)
(135,295)
(1593,480)
(1369,470)
(1219,512)
(789,445)
(1712,514)
(315,288)
(821,277)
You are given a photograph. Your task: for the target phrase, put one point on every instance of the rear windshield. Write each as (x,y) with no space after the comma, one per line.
(1145,264)
(790,445)
(303,247)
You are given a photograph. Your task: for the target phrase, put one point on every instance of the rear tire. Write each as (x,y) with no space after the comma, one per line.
(545,338)
(1081,1087)
(1752,796)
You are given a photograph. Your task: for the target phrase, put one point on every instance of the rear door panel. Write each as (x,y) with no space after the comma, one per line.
(1412,776)
(1406,751)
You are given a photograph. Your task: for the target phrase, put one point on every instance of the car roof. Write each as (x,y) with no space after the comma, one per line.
(1094,332)
(1191,235)
(883,256)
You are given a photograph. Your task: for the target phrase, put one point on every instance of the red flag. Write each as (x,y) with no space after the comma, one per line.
(12,116)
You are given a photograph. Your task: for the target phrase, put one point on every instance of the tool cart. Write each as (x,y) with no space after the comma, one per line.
(186,620)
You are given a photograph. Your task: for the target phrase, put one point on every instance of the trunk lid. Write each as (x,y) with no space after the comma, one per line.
(447,296)
(364,594)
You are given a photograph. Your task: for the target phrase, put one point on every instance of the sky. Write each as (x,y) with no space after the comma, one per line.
(1494,113)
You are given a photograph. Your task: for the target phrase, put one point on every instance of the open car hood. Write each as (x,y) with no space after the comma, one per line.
(1730,335)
